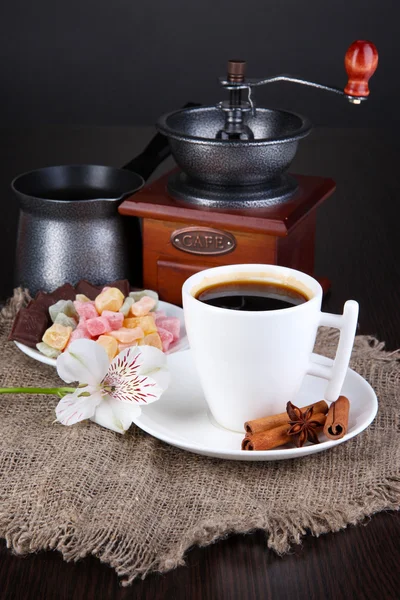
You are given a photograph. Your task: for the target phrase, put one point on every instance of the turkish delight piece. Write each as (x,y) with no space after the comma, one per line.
(82,298)
(86,309)
(82,325)
(125,308)
(115,319)
(79,334)
(111,299)
(127,336)
(171,324)
(57,336)
(62,319)
(122,284)
(125,346)
(166,338)
(109,344)
(138,295)
(62,306)
(147,323)
(98,326)
(153,339)
(47,350)
(143,306)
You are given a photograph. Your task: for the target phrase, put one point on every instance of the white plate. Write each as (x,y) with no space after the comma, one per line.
(181,417)
(170,310)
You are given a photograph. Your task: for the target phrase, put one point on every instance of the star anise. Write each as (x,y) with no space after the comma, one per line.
(302,427)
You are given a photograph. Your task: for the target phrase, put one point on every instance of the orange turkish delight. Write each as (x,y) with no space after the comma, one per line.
(109,344)
(153,339)
(126,336)
(143,306)
(147,323)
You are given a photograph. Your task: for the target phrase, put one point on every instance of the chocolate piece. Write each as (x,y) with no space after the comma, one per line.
(122,285)
(38,308)
(28,327)
(65,292)
(86,288)
(42,301)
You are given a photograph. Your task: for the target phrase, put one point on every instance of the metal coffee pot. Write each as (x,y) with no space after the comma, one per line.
(69,227)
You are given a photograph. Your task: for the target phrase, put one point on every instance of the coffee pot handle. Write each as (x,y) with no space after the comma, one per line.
(335,374)
(156,151)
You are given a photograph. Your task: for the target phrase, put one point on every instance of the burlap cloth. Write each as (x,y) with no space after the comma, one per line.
(139,504)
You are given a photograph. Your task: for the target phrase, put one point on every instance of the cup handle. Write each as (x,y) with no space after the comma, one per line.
(346,323)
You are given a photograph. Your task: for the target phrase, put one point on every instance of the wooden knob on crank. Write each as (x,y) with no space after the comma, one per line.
(360,61)
(236,70)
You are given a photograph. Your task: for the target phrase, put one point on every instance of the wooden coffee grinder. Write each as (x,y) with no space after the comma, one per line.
(231,200)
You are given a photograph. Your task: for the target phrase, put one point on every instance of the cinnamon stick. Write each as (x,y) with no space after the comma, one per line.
(267,423)
(272,438)
(337,419)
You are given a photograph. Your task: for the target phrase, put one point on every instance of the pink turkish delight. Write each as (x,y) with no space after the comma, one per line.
(79,334)
(83,327)
(86,309)
(116,319)
(171,324)
(98,326)
(166,338)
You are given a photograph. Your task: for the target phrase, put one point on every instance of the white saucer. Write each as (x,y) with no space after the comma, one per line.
(170,310)
(181,417)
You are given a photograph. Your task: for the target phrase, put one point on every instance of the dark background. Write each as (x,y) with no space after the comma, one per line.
(125,62)
(79,76)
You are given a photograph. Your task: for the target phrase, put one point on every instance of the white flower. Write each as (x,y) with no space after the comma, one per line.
(109,394)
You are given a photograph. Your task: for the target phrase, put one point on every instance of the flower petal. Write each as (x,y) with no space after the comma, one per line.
(127,379)
(73,408)
(83,361)
(154,365)
(115,415)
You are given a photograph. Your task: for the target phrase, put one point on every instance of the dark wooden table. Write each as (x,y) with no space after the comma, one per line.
(358,249)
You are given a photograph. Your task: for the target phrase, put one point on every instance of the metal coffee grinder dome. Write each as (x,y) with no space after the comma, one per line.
(235,154)
(232,200)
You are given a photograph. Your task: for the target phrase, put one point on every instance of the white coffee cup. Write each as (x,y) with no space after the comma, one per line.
(251,364)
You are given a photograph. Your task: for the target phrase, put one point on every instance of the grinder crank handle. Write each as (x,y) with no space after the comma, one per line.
(361,61)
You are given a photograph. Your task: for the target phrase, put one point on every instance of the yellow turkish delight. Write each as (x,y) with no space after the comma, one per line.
(57,336)
(110,299)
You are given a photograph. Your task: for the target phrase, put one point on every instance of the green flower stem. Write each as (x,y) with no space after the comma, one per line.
(36,390)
